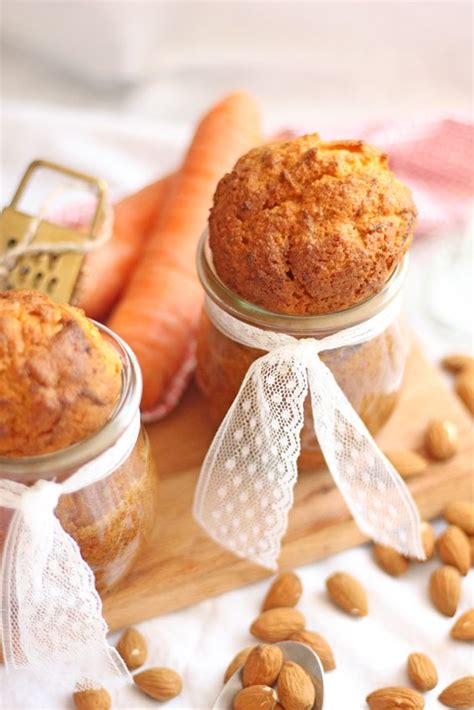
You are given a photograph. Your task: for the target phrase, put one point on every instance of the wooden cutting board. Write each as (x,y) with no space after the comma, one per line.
(181,565)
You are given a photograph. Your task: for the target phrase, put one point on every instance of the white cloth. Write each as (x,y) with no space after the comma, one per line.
(201,640)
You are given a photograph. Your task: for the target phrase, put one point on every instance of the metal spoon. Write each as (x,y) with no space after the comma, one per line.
(292,651)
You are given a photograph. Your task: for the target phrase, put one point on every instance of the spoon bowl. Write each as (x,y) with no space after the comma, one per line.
(292,651)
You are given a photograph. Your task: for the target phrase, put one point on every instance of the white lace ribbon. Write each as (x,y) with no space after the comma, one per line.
(51,612)
(245,490)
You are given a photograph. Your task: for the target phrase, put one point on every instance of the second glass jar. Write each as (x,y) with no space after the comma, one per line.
(370,374)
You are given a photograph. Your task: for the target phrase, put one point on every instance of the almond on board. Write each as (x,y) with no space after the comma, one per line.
(461,513)
(465,388)
(445,589)
(286,590)
(407,463)
(453,548)
(441,439)
(459,694)
(457,362)
(422,671)
(471,547)
(395,698)
(262,666)
(277,624)
(347,593)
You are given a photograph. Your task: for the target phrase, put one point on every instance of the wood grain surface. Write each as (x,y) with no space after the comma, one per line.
(180,565)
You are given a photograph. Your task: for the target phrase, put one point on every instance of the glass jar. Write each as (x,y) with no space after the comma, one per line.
(109,519)
(370,374)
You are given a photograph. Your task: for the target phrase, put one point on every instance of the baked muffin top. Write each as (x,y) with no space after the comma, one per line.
(305,227)
(59,379)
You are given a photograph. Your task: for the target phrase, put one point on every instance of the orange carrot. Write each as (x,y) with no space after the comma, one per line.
(108,268)
(159,311)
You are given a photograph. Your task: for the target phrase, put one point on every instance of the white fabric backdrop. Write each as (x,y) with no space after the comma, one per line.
(200,641)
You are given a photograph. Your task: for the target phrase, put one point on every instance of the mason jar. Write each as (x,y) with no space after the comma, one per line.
(111,518)
(370,374)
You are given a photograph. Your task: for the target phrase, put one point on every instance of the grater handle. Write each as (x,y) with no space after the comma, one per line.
(99,185)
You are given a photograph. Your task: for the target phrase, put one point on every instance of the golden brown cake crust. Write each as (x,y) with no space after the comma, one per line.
(59,379)
(306,227)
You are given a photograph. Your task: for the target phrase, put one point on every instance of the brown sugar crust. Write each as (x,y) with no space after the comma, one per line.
(306,227)
(59,379)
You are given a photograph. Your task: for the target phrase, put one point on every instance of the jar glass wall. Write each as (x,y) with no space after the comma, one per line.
(370,374)
(113,517)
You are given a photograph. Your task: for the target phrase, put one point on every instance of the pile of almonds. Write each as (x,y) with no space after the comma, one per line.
(269,682)
(265,668)
(158,683)
(441,442)
(280,621)
(455,549)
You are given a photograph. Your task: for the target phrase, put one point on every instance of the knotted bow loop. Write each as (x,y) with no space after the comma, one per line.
(245,490)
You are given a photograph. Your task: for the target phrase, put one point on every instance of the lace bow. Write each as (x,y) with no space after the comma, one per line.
(245,490)
(51,612)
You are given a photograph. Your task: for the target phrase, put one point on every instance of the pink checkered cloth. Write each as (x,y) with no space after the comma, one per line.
(435,158)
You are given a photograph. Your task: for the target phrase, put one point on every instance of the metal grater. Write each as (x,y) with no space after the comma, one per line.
(55,274)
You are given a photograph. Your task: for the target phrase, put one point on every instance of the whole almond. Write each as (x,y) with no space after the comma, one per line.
(390,560)
(471,547)
(461,513)
(237,662)
(457,362)
(395,698)
(407,463)
(347,593)
(277,624)
(453,548)
(93,699)
(133,649)
(255,697)
(428,539)
(159,683)
(445,589)
(422,671)
(459,694)
(262,666)
(465,388)
(441,439)
(463,628)
(319,645)
(285,591)
(295,687)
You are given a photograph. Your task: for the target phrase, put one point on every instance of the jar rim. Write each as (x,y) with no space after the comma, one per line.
(323,323)
(72,457)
